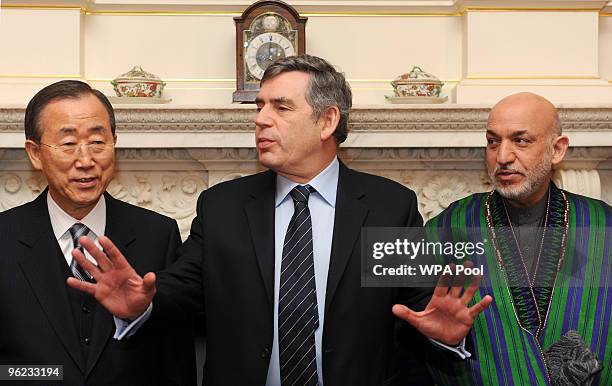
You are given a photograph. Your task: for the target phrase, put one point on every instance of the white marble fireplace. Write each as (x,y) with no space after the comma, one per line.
(168,155)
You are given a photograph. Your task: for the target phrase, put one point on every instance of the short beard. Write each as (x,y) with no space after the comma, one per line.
(534,179)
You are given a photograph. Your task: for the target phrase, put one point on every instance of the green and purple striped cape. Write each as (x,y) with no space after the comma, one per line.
(507,340)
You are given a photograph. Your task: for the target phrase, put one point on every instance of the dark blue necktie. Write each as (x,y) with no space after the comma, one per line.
(298,317)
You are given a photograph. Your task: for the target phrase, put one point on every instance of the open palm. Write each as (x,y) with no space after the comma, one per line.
(447,317)
(118,287)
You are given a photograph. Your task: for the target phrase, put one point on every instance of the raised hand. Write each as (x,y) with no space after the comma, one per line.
(118,287)
(447,317)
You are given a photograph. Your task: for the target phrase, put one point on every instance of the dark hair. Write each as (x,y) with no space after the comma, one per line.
(326,87)
(64,89)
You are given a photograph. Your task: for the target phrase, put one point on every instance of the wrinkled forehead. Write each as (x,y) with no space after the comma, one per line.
(287,84)
(513,119)
(75,116)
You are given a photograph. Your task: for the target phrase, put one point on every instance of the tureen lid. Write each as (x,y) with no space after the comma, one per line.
(416,75)
(137,74)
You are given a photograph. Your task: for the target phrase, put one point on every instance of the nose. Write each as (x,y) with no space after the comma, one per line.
(263,118)
(84,158)
(505,153)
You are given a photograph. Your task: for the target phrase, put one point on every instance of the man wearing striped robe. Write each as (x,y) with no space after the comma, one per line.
(547,261)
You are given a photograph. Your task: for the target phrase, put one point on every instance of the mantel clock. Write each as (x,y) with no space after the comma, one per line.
(266,31)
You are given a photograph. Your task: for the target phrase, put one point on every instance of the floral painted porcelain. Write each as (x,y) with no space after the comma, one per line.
(417,83)
(138,83)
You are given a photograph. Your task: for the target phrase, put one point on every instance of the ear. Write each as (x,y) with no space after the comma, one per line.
(560,145)
(33,150)
(329,120)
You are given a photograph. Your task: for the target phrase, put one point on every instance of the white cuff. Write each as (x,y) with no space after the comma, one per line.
(459,349)
(124,329)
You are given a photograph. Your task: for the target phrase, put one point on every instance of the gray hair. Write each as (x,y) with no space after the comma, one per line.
(327,87)
(557,125)
(64,89)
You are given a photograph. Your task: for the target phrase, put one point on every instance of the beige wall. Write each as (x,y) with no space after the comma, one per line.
(605,47)
(482,55)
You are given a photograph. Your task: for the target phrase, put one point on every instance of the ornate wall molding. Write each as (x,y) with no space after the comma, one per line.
(582,181)
(169,181)
(435,150)
(240,118)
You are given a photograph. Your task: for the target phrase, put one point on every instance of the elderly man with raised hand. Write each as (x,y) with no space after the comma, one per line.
(548,267)
(70,138)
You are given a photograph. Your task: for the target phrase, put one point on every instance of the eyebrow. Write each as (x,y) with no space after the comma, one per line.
(282,99)
(276,101)
(72,130)
(517,133)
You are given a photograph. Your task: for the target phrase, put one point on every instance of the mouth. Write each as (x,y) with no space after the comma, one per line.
(86,182)
(264,143)
(508,176)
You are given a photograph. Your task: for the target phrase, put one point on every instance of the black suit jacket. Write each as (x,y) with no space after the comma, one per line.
(36,318)
(226,268)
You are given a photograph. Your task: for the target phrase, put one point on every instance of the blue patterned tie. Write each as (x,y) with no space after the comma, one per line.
(298,317)
(77,231)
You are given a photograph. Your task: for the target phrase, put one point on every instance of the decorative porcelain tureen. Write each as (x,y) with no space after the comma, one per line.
(417,83)
(138,83)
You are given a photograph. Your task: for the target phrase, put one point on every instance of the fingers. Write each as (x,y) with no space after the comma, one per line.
(104,263)
(405,313)
(480,306)
(469,293)
(86,264)
(82,286)
(148,282)
(444,282)
(457,287)
(113,253)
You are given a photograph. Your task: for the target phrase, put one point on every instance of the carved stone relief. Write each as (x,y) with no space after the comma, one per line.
(173,194)
(169,181)
(436,191)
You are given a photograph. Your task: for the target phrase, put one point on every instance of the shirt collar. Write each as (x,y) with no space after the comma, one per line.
(62,221)
(325,183)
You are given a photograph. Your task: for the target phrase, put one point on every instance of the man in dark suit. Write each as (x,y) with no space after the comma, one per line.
(70,132)
(274,259)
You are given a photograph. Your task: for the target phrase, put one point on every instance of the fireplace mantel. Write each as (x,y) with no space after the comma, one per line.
(168,154)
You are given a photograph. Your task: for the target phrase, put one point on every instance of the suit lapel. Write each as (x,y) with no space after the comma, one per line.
(260,216)
(122,235)
(349,218)
(40,266)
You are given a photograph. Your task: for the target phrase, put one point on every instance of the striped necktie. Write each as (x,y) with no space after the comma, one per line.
(77,231)
(298,317)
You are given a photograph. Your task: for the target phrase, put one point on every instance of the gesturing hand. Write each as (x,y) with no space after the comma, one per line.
(118,287)
(447,317)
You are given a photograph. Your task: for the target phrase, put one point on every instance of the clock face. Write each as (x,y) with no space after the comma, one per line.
(265,48)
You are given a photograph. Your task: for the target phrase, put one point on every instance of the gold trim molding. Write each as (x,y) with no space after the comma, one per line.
(489,9)
(177,80)
(162,13)
(43,7)
(350,80)
(532,77)
(532,85)
(41,76)
(183,80)
(89,11)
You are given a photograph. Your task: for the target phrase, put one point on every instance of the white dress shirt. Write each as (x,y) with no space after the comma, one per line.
(322,205)
(61,222)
